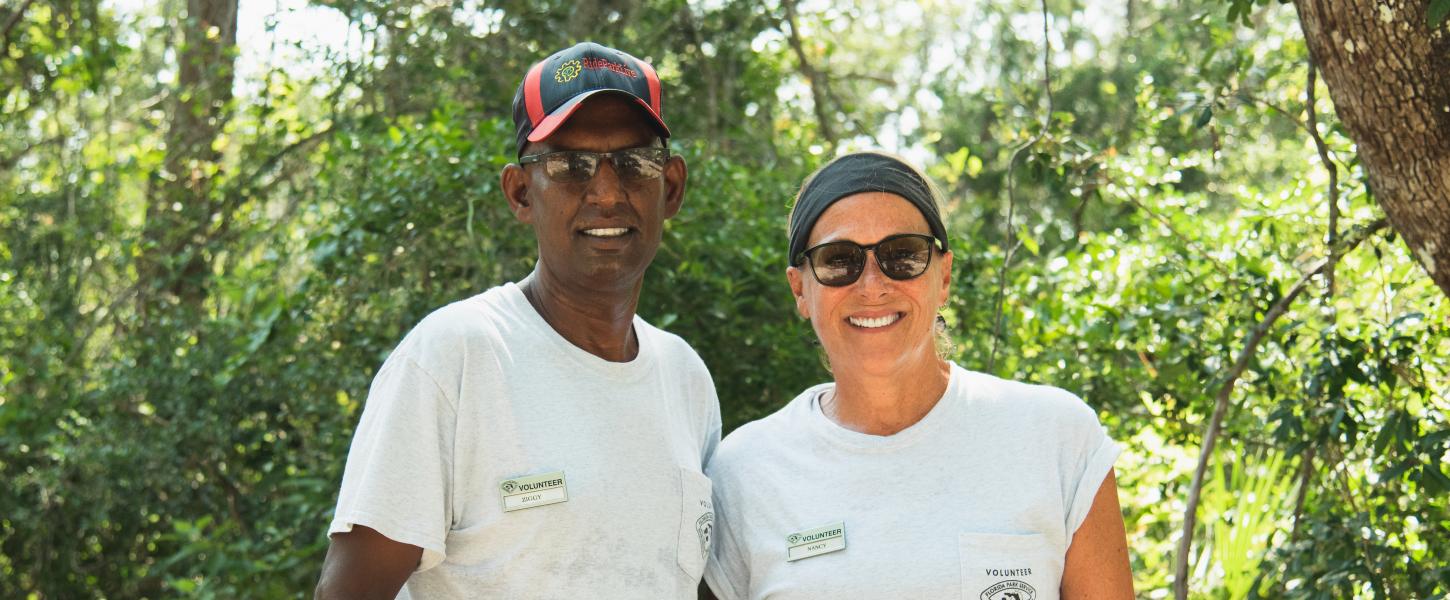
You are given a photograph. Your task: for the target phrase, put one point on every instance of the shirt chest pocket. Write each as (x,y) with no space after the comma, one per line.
(697,522)
(997,566)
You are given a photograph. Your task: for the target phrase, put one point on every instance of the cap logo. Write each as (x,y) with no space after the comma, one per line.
(568,71)
(601,63)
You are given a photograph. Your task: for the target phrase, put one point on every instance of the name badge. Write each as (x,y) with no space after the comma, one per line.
(815,542)
(532,491)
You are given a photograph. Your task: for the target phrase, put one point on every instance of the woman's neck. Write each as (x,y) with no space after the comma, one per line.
(886,403)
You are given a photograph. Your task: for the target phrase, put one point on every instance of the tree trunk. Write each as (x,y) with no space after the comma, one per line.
(174,261)
(1387,73)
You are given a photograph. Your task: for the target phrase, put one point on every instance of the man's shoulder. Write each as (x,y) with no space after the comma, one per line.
(469,322)
(672,348)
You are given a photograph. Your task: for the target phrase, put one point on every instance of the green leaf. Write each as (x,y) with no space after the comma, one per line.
(1204,116)
(1387,433)
(1437,12)
(1027,240)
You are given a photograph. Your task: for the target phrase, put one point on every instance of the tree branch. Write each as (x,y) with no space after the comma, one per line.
(1225,390)
(1306,472)
(14,20)
(8,162)
(1011,243)
(1329,165)
(854,76)
(244,188)
(1198,248)
(814,78)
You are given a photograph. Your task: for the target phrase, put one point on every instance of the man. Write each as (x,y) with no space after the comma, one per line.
(539,440)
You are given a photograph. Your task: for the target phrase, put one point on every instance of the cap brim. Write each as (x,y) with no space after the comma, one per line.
(550,123)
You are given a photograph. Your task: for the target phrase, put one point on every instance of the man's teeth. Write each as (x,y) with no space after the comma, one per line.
(607,231)
(873,323)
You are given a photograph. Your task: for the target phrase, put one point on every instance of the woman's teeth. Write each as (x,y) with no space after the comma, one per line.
(872,323)
(607,232)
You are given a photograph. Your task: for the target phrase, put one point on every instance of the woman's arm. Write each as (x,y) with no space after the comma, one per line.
(1097,560)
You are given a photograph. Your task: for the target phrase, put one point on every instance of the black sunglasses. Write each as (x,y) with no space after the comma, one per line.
(577,166)
(902,256)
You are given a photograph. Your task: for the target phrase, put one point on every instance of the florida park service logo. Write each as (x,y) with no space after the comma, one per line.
(568,71)
(1010,589)
(704,526)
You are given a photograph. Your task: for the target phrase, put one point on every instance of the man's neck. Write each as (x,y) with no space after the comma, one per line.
(598,322)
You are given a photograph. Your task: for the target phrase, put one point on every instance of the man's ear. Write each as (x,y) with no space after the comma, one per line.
(515,184)
(797,289)
(675,176)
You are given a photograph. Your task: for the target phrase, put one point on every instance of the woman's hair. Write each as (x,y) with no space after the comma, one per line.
(933,198)
(856,173)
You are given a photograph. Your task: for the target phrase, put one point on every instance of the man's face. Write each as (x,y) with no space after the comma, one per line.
(599,234)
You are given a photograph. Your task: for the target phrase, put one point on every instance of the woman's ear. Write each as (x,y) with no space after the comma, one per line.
(946,276)
(797,289)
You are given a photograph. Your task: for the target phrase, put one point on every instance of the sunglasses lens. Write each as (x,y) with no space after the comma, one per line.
(904,257)
(838,264)
(571,167)
(640,163)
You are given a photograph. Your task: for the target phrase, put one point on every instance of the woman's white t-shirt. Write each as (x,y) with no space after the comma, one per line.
(978,500)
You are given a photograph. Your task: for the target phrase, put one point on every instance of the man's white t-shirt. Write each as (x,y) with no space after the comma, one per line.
(483,407)
(978,500)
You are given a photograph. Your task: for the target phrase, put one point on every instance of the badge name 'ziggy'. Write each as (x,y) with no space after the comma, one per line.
(533,491)
(815,542)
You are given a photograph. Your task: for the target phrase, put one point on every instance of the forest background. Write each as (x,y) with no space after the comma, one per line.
(216,220)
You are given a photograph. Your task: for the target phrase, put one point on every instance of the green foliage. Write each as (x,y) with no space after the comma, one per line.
(1246,504)
(1437,12)
(158,444)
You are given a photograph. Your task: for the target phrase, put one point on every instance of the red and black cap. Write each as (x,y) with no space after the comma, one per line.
(555,87)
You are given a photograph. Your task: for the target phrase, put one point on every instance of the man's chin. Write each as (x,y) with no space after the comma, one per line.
(602,273)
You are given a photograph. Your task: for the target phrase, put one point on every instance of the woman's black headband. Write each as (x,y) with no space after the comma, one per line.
(853,174)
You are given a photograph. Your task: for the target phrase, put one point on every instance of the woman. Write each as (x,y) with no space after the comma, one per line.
(908,476)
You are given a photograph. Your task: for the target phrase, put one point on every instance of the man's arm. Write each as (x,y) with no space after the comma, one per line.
(1097,560)
(365,564)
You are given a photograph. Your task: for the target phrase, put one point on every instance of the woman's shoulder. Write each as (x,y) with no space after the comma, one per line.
(1029,401)
(765,438)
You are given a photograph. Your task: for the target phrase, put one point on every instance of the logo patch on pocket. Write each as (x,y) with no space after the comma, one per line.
(1010,589)
(703,527)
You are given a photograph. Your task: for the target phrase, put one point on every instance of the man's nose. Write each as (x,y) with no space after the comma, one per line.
(606,188)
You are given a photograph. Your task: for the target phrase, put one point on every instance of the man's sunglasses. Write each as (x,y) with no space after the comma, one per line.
(577,166)
(902,256)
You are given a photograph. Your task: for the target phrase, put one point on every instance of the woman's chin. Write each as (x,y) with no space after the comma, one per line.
(885,360)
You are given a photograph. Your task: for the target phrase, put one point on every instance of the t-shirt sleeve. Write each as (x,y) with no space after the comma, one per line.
(398,479)
(1093,454)
(712,427)
(726,572)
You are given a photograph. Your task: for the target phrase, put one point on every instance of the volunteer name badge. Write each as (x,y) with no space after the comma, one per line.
(531,491)
(815,542)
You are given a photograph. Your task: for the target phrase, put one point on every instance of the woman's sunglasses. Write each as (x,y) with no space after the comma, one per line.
(902,256)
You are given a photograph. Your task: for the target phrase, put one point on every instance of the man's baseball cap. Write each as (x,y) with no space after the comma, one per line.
(555,87)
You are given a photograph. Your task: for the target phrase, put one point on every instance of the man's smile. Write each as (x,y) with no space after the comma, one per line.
(606,232)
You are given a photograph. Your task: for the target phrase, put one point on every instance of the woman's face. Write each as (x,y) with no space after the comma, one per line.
(876,324)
